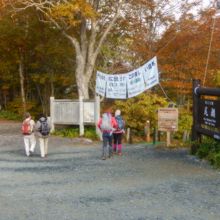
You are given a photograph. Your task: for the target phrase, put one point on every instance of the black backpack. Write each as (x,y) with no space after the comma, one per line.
(44,127)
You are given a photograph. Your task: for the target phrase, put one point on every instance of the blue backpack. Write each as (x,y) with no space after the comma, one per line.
(120,122)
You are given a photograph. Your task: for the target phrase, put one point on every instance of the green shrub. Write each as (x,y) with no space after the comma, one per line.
(211,158)
(203,150)
(184,123)
(209,149)
(17,107)
(137,110)
(217,160)
(67,132)
(10,115)
(194,147)
(89,132)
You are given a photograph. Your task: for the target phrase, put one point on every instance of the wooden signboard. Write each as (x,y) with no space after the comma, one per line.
(167,119)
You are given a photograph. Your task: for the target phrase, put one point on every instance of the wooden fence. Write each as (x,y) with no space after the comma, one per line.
(74,112)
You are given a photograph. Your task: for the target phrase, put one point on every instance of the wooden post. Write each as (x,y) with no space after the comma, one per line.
(168,139)
(147,131)
(97,116)
(81,114)
(195,134)
(52,114)
(129,136)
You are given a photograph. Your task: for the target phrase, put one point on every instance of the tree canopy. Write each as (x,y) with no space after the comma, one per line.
(53,48)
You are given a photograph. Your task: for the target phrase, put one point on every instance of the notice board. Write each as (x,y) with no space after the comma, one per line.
(167,119)
(209,112)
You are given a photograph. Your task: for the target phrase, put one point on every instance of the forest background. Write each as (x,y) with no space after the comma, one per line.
(53,48)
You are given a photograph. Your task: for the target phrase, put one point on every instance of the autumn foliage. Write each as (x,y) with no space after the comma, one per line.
(61,45)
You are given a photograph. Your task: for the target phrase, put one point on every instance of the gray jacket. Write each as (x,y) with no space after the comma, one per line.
(38,125)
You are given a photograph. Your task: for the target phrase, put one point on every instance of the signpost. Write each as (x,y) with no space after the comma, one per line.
(168,121)
(206,118)
(209,112)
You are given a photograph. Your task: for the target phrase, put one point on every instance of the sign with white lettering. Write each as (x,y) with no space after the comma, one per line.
(135,83)
(167,119)
(116,86)
(122,86)
(150,73)
(209,112)
(101,83)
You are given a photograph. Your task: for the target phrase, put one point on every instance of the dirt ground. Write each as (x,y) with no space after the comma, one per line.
(73,183)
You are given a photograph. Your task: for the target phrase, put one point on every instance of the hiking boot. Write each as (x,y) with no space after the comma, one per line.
(119,154)
(103,158)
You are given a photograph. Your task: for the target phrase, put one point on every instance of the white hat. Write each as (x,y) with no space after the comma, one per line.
(117,112)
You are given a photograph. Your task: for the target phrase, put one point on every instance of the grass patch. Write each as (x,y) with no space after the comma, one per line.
(7,115)
(89,132)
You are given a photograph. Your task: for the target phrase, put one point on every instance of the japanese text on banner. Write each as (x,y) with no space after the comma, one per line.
(101,83)
(116,86)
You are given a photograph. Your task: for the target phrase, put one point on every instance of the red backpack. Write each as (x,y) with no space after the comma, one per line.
(26,127)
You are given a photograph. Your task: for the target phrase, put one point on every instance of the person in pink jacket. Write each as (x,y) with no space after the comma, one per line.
(118,132)
(107,124)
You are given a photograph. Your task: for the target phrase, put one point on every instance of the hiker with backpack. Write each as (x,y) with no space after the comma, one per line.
(28,134)
(43,130)
(107,125)
(118,132)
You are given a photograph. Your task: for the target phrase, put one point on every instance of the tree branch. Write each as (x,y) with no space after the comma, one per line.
(103,37)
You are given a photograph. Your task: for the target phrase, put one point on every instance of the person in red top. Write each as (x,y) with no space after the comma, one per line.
(107,125)
(118,132)
(28,134)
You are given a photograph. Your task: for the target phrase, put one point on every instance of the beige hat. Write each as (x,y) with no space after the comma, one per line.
(117,112)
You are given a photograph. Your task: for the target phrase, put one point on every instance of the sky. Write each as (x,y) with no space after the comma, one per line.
(207,2)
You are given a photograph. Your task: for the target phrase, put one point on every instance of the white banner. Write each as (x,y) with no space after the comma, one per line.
(116,86)
(101,83)
(150,73)
(135,83)
(130,84)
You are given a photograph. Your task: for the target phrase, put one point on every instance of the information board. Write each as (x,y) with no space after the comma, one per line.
(209,112)
(167,119)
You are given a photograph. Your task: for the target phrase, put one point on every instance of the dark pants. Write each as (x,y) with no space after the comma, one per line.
(107,144)
(117,138)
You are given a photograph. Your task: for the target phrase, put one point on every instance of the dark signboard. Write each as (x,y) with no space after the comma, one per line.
(209,112)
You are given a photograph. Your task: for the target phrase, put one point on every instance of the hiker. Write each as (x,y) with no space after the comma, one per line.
(43,130)
(118,132)
(107,124)
(28,134)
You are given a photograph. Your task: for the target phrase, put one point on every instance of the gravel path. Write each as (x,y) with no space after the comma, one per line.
(74,184)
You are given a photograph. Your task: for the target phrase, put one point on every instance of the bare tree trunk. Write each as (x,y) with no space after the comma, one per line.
(91,37)
(88,48)
(21,75)
(83,74)
(82,83)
